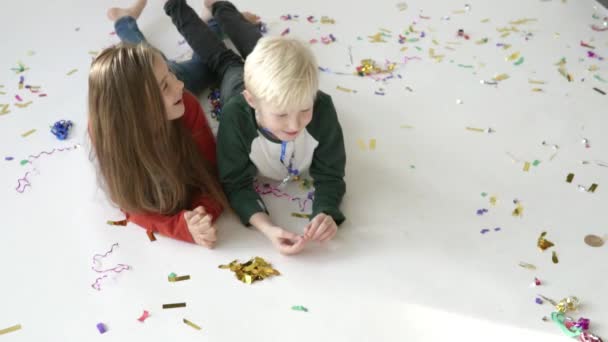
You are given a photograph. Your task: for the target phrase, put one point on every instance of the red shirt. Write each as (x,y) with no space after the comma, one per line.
(175,226)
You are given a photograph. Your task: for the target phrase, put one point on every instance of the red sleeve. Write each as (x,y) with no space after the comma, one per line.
(175,226)
(195,121)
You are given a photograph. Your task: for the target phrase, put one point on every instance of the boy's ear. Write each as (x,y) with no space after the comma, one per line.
(249,98)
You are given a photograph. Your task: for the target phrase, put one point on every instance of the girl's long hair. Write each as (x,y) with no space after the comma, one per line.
(145,162)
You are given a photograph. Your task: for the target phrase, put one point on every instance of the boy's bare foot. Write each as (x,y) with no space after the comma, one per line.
(134,11)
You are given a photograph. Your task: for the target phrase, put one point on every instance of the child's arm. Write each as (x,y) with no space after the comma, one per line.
(329,160)
(175,226)
(236,170)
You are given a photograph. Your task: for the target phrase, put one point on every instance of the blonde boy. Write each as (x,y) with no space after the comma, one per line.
(280,127)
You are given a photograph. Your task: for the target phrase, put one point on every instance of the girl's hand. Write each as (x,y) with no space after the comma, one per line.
(321,228)
(200,227)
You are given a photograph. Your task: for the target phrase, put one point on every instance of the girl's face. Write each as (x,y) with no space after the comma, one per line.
(171,89)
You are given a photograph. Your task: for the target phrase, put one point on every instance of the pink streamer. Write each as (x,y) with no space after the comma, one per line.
(117,269)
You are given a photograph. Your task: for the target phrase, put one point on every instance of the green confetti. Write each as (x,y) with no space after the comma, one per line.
(418,48)
(536,162)
(24,161)
(519,61)
(299,308)
(172,276)
(484,194)
(467,66)
(597,77)
(413,40)
(412,166)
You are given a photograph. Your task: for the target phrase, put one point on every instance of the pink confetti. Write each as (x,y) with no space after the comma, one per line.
(143,317)
(285,32)
(18,98)
(21,188)
(313,41)
(599,28)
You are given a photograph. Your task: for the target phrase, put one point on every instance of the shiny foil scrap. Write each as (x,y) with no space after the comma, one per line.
(252,270)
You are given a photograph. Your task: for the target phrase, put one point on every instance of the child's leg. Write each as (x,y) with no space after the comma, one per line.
(226,64)
(195,74)
(243,33)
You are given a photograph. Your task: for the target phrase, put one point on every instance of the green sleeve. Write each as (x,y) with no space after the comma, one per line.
(329,159)
(236,171)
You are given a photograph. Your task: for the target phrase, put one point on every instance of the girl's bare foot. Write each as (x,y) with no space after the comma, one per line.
(134,11)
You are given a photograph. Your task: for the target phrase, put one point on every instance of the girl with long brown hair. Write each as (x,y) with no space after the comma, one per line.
(153,146)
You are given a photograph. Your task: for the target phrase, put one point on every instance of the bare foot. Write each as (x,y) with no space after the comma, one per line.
(251,17)
(134,11)
(208,5)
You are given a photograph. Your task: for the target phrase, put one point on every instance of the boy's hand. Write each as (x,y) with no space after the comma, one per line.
(321,228)
(286,242)
(200,227)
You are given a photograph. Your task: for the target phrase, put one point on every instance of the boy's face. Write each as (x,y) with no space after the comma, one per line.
(285,125)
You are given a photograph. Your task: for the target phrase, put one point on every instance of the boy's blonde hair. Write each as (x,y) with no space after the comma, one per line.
(283,73)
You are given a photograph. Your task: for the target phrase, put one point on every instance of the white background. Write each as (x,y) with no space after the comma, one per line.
(409,262)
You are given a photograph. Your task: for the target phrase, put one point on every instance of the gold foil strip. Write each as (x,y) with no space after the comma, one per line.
(527,266)
(372,144)
(361,144)
(252,270)
(570,177)
(543,243)
(300,215)
(192,324)
(512,57)
(592,188)
(567,304)
(501,77)
(174,305)
(10,329)
(527,166)
(71,72)
(151,235)
(31,131)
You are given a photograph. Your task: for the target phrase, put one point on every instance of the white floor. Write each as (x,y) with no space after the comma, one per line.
(410,263)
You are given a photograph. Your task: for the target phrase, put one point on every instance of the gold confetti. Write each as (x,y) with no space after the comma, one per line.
(554,258)
(31,131)
(459,12)
(512,57)
(535,81)
(327,20)
(543,243)
(527,266)
(377,38)
(437,58)
(567,304)
(501,77)
(251,271)
(4,110)
(179,278)
(435,42)
(486,20)
(71,72)
(10,329)
(570,177)
(93,53)
(346,90)
(174,305)
(537,90)
(406,126)
(192,324)
(300,215)
(594,241)
(151,235)
(518,211)
(372,144)
(385,30)
(527,166)
(475,129)
(493,200)
(361,144)
(522,21)
(593,68)
(592,188)
(404,48)
(402,6)
(23,105)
